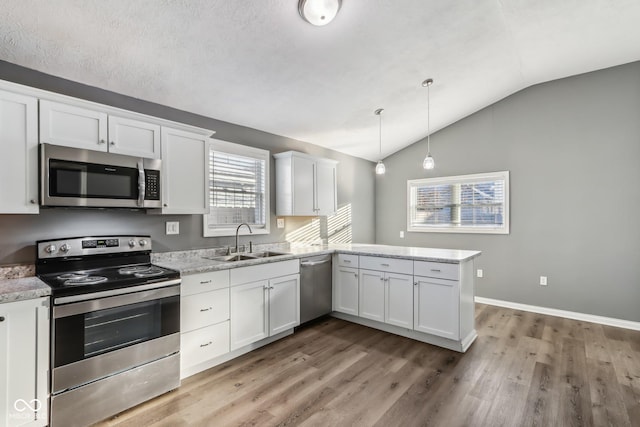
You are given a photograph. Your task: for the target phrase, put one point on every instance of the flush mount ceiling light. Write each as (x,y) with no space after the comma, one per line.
(428,162)
(319,12)
(380,169)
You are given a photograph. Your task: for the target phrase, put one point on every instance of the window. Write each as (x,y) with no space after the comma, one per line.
(459,204)
(238,189)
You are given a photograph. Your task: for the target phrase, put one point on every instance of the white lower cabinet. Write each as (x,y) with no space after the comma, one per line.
(386,297)
(265,301)
(428,300)
(371,304)
(250,313)
(24,363)
(398,300)
(204,320)
(436,307)
(345,290)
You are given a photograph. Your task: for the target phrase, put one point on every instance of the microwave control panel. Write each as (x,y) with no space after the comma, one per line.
(152,191)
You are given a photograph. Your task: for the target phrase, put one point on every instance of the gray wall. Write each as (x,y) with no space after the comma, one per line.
(18,233)
(572,147)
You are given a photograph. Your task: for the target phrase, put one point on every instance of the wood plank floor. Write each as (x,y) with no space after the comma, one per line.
(524,369)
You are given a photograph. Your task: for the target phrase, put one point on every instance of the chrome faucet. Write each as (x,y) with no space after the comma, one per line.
(238,231)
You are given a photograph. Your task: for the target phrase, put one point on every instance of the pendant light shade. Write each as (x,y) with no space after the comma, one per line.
(319,12)
(380,169)
(428,162)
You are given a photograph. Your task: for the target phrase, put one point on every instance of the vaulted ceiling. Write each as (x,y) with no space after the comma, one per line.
(258,64)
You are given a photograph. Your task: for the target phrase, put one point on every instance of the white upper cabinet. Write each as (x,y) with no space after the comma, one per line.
(72,126)
(19,153)
(134,137)
(185,172)
(305,185)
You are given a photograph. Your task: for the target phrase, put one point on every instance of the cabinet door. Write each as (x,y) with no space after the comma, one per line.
(303,186)
(185,170)
(134,138)
(399,300)
(436,307)
(345,290)
(24,363)
(249,313)
(19,148)
(326,201)
(62,124)
(371,302)
(284,303)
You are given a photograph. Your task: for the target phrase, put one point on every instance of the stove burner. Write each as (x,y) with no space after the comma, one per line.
(150,272)
(85,280)
(142,271)
(72,276)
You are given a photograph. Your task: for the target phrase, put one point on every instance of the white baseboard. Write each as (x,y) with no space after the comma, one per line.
(609,321)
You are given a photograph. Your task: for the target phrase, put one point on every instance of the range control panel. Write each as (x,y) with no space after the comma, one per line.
(79,246)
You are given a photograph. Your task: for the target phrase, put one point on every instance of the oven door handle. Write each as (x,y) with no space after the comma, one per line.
(142,184)
(87,303)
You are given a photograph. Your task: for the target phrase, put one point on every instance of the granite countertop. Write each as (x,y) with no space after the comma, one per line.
(192,262)
(22,289)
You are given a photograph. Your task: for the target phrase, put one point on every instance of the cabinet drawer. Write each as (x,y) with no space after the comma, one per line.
(204,282)
(204,309)
(440,270)
(259,272)
(387,264)
(204,344)
(346,260)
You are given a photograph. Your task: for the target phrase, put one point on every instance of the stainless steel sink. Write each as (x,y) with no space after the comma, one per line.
(267,254)
(231,258)
(244,257)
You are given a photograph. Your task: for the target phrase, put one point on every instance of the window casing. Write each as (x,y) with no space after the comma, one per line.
(476,203)
(238,189)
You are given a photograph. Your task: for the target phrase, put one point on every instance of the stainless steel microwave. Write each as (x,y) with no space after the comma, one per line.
(85,178)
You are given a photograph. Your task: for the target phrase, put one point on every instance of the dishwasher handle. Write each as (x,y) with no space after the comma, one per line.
(312,263)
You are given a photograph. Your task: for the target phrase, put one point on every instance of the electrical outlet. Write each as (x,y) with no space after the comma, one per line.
(543,280)
(280,222)
(173,227)
(402,234)
(480,273)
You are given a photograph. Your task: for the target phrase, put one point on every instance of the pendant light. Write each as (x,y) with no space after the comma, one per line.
(380,169)
(428,162)
(319,12)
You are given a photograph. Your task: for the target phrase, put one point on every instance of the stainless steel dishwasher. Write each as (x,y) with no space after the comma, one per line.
(315,287)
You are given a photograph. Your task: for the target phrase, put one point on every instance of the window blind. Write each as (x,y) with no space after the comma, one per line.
(236,190)
(468,203)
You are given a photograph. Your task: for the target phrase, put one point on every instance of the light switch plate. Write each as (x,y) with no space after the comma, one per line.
(173,227)
(402,234)
(280,222)
(480,273)
(543,280)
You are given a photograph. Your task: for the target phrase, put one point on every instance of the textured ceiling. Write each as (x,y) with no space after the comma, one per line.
(258,64)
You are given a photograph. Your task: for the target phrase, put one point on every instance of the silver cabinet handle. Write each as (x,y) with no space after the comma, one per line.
(32,201)
(141,183)
(206,344)
(415,283)
(382,278)
(206,309)
(355,274)
(435,270)
(113,143)
(205,282)
(101,141)
(385,265)
(348,261)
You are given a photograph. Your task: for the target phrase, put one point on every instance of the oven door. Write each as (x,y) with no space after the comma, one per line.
(85,178)
(97,338)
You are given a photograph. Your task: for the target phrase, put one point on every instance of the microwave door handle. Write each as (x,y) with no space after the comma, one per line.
(141,183)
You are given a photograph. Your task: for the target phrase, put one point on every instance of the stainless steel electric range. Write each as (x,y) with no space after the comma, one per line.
(115,329)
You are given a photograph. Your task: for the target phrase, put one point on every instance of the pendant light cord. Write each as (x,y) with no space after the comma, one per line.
(428,119)
(380,133)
